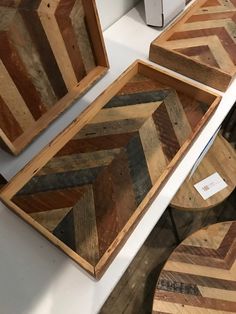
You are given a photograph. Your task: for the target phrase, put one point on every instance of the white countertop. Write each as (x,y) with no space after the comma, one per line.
(35,277)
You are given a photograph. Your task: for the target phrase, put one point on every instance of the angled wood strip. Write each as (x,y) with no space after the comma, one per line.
(193,287)
(97,178)
(48,58)
(14,100)
(203,38)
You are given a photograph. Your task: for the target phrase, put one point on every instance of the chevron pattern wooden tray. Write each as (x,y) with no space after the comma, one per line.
(51,52)
(199,276)
(90,186)
(201,44)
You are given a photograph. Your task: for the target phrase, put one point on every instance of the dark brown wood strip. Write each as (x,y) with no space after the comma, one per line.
(228,242)
(202,52)
(2,181)
(140,86)
(211,3)
(64,22)
(8,123)
(94,144)
(211,16)
(9,3)
(203,260)
(114,200)
(29,5)
(16,69)
(45,201)
(199,251)
(166,132)
(39,38)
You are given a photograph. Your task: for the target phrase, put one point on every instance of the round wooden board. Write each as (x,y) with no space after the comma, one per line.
(220,158)
(200,275)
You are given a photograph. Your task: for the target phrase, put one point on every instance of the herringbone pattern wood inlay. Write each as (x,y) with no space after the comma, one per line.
(200,275)
(207,35)
(46,50)
(87,193)
(90,186)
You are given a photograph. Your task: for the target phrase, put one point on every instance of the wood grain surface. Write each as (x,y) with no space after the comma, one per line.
(201,44)
(46,52)
(221,158)
(92,184)
(200,276)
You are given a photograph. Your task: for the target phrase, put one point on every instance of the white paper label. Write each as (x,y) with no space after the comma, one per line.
(210,186)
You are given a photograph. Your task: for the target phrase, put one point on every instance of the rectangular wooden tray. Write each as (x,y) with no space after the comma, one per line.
(51,53)
(201,44)
(87,190)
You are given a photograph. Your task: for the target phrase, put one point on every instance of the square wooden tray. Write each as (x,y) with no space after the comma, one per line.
(201,44)
(88,189)
(51,53)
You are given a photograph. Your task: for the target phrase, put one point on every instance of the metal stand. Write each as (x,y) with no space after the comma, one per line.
(175,231)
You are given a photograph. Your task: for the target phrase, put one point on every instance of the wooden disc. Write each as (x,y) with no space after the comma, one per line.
(2,181)
(220,158)
(200,276)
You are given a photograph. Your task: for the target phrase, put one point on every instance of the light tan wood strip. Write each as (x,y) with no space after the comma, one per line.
(221,55)
(152,147)
(49,23)
(219,9)
(210,238)
(175,308)
(219,294)
(133,111)
(50,219)
(186,43)
(77,162)
(86,238)
(178,117)
(78,22)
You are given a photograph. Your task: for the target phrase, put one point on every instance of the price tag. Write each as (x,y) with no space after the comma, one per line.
(210,186)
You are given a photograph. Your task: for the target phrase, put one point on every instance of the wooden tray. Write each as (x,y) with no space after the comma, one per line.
(51,53)
(87,190)
(201,44)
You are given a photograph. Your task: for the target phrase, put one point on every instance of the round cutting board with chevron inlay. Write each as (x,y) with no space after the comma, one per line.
(200,275)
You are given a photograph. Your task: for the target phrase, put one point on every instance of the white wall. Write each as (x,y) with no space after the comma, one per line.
(111,10)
